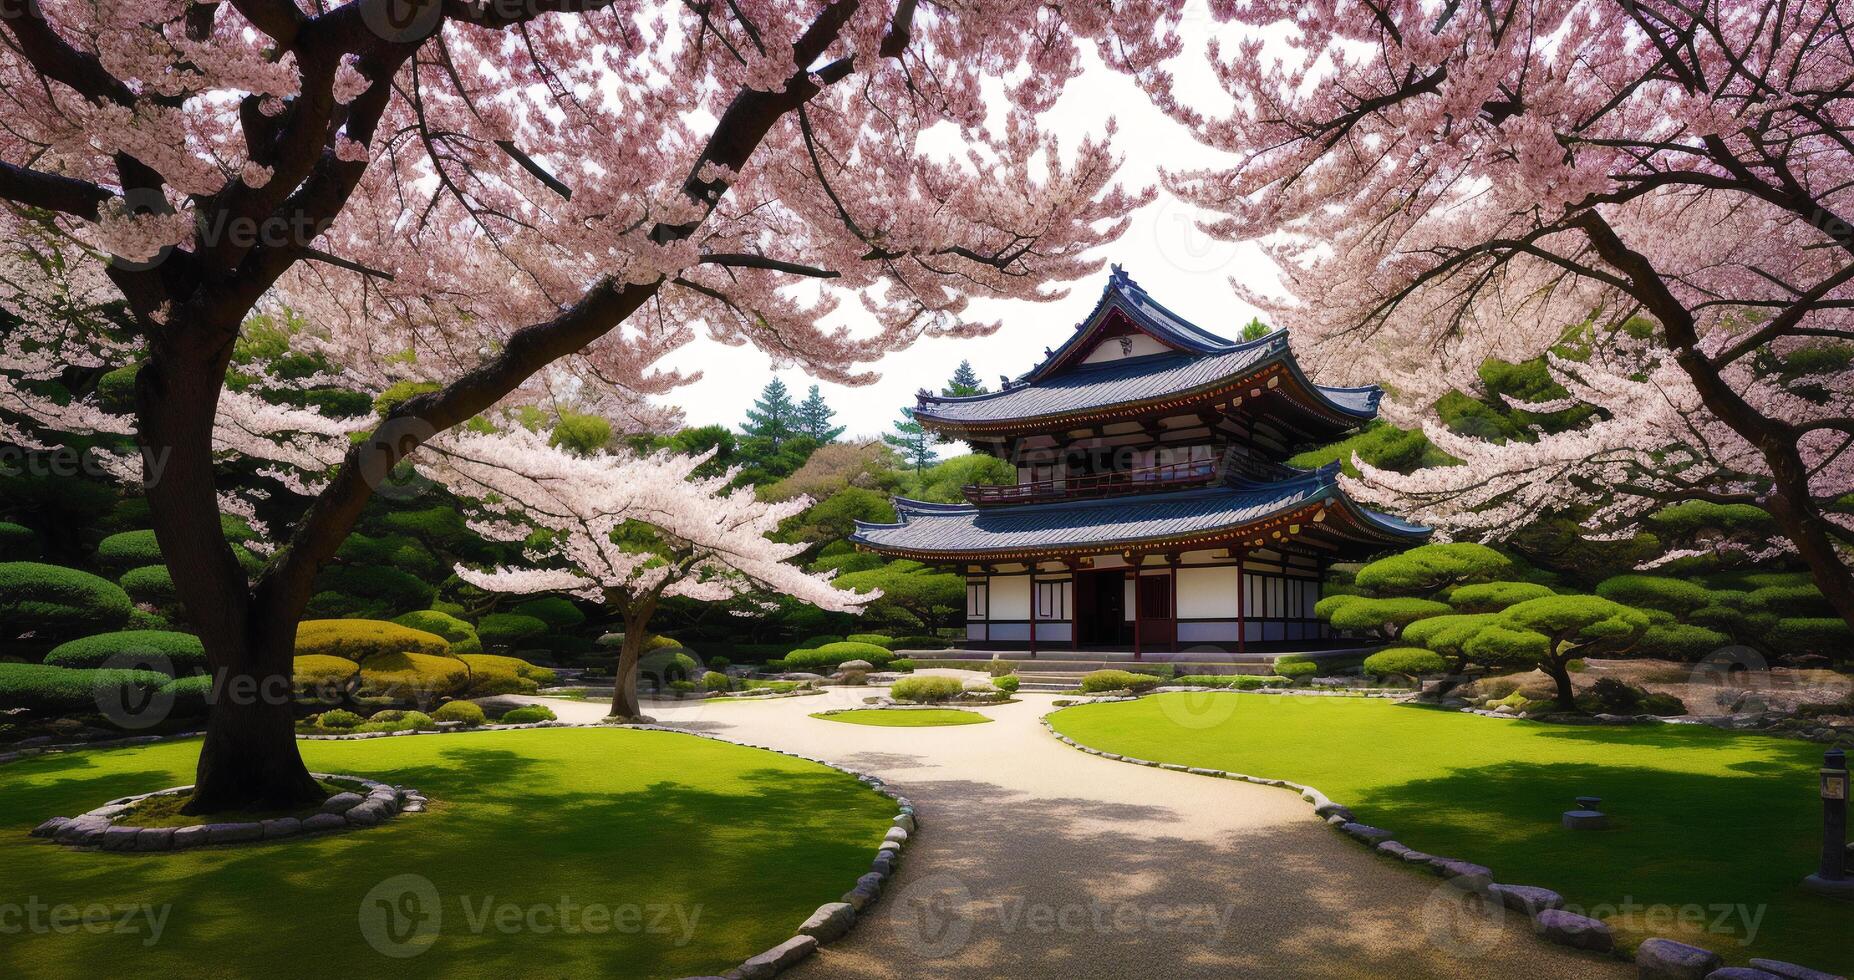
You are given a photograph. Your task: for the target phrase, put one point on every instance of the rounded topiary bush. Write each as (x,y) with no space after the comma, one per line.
(60,690)
(338,720)
(1384,615)
(1117,680)
(557,612)
(1296,670)
(1409,662)
(396,721)
(832,655)
(437,623)
(876,638)
(189,696)
(502,631)
(1674,595)
(385,589)
(151,584)
(916,643)
(17,543)
(813,642)
(419,677)
(1821,635)
(1006,684)
(714,680)
(491,674)
(129,549)
(323,676)
(468,712)
(182,650)
(1675,641)
(1489,597)
(50,600)
(359,639)
(926,690)
(528,714)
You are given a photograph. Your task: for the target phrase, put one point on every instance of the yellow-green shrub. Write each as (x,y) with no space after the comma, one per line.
(926,689)
(319,673)
(1117,680)
(491,674)
(360,639)
(468,712)
(419,677)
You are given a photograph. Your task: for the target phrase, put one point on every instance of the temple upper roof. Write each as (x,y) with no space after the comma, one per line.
(1175,361)
(1307,510)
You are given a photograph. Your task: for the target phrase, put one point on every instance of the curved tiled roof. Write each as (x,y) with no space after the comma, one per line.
(963,529)
(1199,359)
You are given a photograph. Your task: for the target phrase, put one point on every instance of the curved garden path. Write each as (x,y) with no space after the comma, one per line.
(1036,860)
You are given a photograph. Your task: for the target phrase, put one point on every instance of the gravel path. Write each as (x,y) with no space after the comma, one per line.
(1036,860)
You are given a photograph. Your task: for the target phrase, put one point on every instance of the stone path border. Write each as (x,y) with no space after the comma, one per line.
(1656,958)
(104,828)
(829,923)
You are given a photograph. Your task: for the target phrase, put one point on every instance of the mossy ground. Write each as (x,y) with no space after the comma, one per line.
(919,718)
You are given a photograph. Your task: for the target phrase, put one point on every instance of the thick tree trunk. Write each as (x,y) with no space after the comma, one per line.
(1559,670)
(624,679)
(249,760)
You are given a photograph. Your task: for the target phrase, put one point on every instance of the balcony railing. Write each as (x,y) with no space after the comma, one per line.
(1197,472)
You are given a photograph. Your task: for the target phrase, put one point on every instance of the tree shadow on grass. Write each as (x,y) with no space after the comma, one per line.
(716,869)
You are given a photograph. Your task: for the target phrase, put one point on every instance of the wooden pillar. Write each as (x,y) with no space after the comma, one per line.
(1242,590)
(1033,610)
(987,570)
(1074,568)
(1136,649)
(1171,562)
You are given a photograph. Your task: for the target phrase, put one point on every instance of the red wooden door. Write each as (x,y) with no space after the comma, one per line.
(1156,626)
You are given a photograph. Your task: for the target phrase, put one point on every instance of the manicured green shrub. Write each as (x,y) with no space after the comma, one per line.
(1489,597)
(1821,635)
(55,602)
(359,639)
(1790,601)
(129,549)
(1448,635)
(719,663)
(1611,696)
(1385,616)
(419,677)
(396,721)
(384,590)
(338,720)
(182,651)
(1250,682)
(1296,670)
(188,697)
(1007,684)
(1679,642)
(527,715)
(1674,595)
(322,676)
(1206,680)
(832,655)
(714,680)
(1430,568)
(926,690)
(59,690)
(878,639)
(150,584)
(17,543)
(1411,662)
(468,712)
(1663,705)
(1330,604)
(557,612)
(903,664)
(917,643)
(667,665)
(682,687)
(1118,680)
(503,631)
(438,624)
(813,642)
(491,674)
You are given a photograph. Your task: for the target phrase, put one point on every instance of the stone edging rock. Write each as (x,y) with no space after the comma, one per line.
(829,923)
(103,827)
(1655,957)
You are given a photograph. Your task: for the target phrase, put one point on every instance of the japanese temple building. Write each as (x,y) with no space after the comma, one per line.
(1152,509)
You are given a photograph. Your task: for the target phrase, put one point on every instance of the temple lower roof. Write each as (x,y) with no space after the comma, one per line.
(1308,510)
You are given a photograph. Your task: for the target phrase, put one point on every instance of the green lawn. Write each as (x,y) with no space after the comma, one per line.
(1719,826)
(921,718)
(695,853)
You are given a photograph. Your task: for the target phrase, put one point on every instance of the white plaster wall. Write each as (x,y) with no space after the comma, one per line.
(1206,593)
(1052,632)
(1010,597)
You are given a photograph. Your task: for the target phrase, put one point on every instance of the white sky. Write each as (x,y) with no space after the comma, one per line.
(1162,250)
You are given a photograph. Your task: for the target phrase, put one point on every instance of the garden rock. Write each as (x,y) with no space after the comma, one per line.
(120,838)
(829,922)
(191,836)
(778,959)
(154,839)
(342,803)
(50,827)
(282,827)
(1526,898)
(1367,833)
(325,821)
(1464,875)
(1576,931)
(1790,971)
(232,833)
(1665,959)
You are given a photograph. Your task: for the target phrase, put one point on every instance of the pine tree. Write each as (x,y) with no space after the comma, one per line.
(1255,329)
(965,382)
(912,442)
(773,417)
(814,418)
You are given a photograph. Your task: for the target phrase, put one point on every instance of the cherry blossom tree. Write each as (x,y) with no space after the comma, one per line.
(1655,192)
(504,202)
(624,531)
